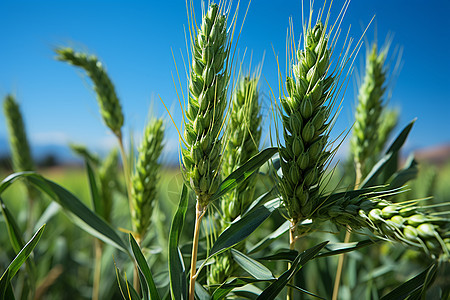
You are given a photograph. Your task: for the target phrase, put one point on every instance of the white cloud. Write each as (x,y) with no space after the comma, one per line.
(50,138)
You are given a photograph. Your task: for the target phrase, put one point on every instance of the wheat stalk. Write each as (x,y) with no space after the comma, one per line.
(20,150)
(208,84)
(110,107)
(306,108)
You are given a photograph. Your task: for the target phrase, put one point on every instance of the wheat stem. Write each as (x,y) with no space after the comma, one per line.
(340,267)
(98,248)
(199,213)
(292,241)
(126,173)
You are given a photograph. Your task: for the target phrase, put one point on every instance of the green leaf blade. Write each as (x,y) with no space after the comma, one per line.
(85,218)
(243,172)
(411,286)
(243,227)
(177,273)
(15,235)
(22,256)
(386,159)
(277,286)
(144,268)
(97,203)
(253,267)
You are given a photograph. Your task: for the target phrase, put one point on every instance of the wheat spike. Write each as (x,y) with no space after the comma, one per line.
(145,176)
(206,106)
(110,107)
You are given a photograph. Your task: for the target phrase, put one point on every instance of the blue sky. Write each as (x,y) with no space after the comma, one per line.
(134,40)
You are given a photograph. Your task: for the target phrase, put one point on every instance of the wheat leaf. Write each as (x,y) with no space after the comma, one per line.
(80,213)
(253,267)
(243,172)
(270,238)
(390,153)
(275,287)
(178,284)
(243,227)
(410,286)
(144,268)
(22,256)
(97,203)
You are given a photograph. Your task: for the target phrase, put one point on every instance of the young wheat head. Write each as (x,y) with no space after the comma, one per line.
(243,138)
(207,102)
(145,176)
(305,124)
(408,223)
(110,107)
(20,149)
(369,109)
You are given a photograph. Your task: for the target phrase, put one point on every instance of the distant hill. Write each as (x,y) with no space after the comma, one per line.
(436,155)
(61,153)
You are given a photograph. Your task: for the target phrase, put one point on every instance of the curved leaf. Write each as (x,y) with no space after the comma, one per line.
(242,228)
(17,242)
(277,286)
(413,285)
(270,195)
(15,235)
(305,291)
(84,217)
(200,292)
(390,153)
(339,248)
(177,273)
(222,291)
(253,267)
(270,238)
(126,289)
(286,255)
(22,256)
(409,172)
(5,287)
(144,268)
(243,172)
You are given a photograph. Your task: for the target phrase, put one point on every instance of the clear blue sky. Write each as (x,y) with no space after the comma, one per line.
(134,40)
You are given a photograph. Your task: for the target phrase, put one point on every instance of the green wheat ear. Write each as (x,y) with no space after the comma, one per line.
(243,137)
(244,134)
(307,109)
(145,176)
(20,149)
(207,102)
(110,107)
(365,138)
(408,223)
